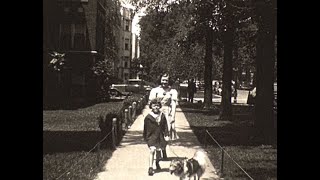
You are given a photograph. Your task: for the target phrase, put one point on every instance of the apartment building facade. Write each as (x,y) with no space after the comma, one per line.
(125,42)
(77,29)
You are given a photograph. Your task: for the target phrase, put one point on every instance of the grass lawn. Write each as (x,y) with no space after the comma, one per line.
(66,165)
(68,136)
(84,119)
(257,159)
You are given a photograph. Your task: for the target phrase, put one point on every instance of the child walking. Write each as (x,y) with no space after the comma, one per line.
(155,133)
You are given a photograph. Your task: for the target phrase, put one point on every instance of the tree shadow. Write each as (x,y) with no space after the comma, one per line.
(227,135)
(69,106)
(256,173)
(162,170)
(238,131)
(237,109)
(187,139)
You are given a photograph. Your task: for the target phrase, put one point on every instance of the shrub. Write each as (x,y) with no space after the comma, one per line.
(105,124)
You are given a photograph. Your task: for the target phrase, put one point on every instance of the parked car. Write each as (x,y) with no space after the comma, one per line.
(133,86)
(244,85)
(116,94)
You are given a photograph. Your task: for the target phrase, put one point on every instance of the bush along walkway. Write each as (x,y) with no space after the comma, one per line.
(130,160)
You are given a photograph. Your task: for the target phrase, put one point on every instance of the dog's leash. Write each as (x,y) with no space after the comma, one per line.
(170,141)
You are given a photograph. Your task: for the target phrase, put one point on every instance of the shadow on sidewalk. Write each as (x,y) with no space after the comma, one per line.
(187,139)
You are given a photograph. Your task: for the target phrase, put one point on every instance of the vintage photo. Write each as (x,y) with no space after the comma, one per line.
(159,89)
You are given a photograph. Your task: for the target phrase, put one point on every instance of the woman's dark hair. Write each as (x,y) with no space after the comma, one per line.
(170,81)
(155,101)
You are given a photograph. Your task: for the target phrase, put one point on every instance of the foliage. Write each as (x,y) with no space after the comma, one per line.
(103,68)
(133,98)
(163,33)
(112,26)
(58,62)
(171,28)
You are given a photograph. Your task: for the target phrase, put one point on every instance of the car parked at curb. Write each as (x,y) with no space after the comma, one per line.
(116,94)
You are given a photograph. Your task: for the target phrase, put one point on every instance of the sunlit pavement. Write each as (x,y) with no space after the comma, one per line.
(241,98)
(130,160)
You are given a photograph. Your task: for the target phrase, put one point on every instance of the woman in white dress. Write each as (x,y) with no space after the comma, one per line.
(169,100)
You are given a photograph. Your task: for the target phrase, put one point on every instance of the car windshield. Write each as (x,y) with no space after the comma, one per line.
(134,82)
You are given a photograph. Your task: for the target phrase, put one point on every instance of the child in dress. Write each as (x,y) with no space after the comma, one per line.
(155,133)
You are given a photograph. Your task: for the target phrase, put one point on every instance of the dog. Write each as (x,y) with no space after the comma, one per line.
(188,168)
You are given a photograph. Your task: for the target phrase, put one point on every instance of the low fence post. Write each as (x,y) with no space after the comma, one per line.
(98,154)
(205,137)
(114,132)
(130,116)
(139,106)
(126,118)
(222,159)
(134,109)
(120,130)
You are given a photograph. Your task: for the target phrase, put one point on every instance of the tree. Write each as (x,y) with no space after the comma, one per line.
(232,15)
(226,106)
(265,61)
(164,43)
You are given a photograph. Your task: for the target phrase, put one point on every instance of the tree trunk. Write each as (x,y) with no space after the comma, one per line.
(208,70)
(265,71)
(226,107)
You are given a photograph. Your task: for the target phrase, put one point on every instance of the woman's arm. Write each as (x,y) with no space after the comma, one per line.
(166,130)
(145,129)
(173,104)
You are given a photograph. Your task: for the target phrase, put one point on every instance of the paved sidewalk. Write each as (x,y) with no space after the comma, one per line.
(130,160)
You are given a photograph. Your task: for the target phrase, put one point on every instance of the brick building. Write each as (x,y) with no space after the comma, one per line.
(76,28)
(125,41)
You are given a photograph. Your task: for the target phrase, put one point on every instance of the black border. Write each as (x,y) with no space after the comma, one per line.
(22,22)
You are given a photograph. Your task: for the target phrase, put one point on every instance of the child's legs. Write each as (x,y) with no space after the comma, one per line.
(151,155)
(173,133)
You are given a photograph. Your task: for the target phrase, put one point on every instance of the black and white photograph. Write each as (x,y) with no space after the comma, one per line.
(159,89)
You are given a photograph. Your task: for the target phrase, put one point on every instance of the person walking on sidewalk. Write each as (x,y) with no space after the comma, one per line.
(155,133)
(191,90)
(169,100)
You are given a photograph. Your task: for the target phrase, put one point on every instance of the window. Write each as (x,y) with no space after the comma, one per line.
(126,76)
(126,58)
(79,37)
(66,9)
(80,9)
(126,45)
(126,64)
(127,26)
(65,36)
